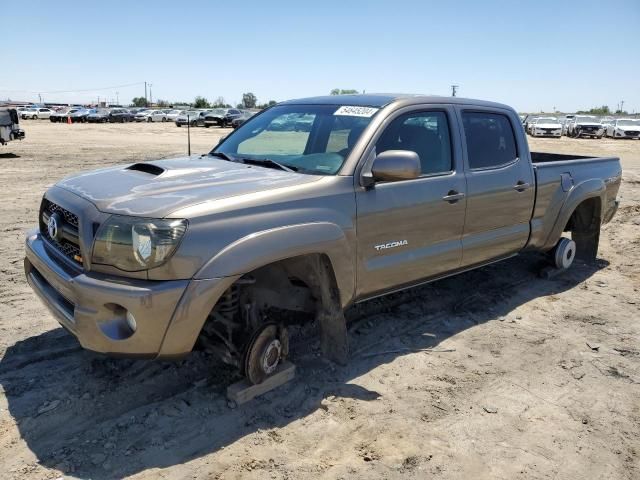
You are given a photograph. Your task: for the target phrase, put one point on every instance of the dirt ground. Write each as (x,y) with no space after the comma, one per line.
(528,378)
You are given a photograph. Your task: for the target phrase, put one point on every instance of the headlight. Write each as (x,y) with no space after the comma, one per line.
(133,244)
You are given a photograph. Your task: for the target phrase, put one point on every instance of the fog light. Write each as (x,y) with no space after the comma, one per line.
(131,321)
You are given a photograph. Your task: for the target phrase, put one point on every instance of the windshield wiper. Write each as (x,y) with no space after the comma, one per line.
(267,162)
(223,155)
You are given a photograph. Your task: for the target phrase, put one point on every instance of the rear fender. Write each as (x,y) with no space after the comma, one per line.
(588,189)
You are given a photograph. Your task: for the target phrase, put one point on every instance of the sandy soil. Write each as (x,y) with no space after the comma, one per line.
(528,378)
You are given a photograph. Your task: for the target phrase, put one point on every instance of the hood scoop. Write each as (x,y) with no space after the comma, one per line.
(149,168)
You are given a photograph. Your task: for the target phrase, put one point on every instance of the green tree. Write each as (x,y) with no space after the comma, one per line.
(220,103)
(262,106)
(163,103)
(249,100)
(139,102)
(340,91)
(603,110)
(200,102)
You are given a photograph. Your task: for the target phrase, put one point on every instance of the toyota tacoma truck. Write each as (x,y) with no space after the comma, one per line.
(280,225)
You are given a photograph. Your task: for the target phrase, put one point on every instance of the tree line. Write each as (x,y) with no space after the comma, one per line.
(249,100)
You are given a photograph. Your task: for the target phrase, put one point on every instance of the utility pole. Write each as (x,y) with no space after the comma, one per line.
(40,97)
(454,90)
(150,94)
(621,106)
(118,98)
(145,94)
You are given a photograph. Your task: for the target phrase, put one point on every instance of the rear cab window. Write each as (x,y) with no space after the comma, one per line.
(490,139)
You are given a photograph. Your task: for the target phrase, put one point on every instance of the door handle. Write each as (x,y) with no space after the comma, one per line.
(521,186)
(452,196)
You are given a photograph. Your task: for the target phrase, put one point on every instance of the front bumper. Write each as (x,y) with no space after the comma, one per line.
(168,314)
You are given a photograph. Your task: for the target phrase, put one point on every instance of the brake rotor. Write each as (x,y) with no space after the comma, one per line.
(268,347)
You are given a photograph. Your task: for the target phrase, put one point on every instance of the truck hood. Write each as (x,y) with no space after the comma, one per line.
(157,188)
(625,128)
(548,125)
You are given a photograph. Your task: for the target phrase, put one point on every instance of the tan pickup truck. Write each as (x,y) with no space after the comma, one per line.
(308,207)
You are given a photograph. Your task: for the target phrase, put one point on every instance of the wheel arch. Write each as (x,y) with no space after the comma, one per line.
(263,248)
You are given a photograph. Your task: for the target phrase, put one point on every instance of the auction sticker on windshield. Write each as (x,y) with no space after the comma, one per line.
(355,111)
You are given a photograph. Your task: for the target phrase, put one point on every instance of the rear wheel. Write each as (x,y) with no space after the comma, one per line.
(149,119)
(564,253)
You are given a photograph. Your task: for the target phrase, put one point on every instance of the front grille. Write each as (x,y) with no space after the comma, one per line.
(629,133)
(68,245)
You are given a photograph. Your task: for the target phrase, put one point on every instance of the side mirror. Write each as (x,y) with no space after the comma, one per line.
(394,165)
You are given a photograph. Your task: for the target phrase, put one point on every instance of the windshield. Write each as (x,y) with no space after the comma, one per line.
(587,120)
(312,139)
(547,120)
(628,123)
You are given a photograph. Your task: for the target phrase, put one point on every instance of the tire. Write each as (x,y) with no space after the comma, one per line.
(164,119)
(149,120)
(194,123)
(35,117)
(564,253)
(178,125)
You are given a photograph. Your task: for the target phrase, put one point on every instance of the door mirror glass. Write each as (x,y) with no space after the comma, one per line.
(393,165)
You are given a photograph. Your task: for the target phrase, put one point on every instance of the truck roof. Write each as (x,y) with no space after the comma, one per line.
(380,100)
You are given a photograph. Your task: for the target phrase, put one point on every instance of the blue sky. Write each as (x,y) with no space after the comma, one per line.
(532,55)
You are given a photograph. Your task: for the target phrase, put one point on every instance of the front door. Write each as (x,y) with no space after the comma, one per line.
(411,230)
(500,187)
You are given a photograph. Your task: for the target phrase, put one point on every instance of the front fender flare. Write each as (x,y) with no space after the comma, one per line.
(268,246)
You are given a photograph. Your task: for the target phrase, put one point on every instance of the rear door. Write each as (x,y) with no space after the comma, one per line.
(500,185)
(411,230)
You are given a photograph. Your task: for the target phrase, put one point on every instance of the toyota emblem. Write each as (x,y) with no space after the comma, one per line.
(54,227)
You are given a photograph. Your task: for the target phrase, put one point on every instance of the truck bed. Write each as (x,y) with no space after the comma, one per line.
(557,175)
(543,157)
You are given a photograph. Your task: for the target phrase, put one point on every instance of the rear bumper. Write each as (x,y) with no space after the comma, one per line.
(93,307)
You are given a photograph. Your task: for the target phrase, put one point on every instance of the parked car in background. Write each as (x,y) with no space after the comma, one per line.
(585,126)
(80,115)
(546,127)
(10,126)
(221,117)
(623,128)
(38,113)
(214,117)
(101,115)
(62,114)
(157,116)
(173,114)
(142,116)
(194,118)
(246,115)
(526,123)
(19,110)
(120,115)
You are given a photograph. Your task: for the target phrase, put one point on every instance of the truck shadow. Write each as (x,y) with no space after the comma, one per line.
(9,155)
(96,417)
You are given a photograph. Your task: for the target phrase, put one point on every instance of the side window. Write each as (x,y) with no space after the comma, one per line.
(490,139)
(426,133)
